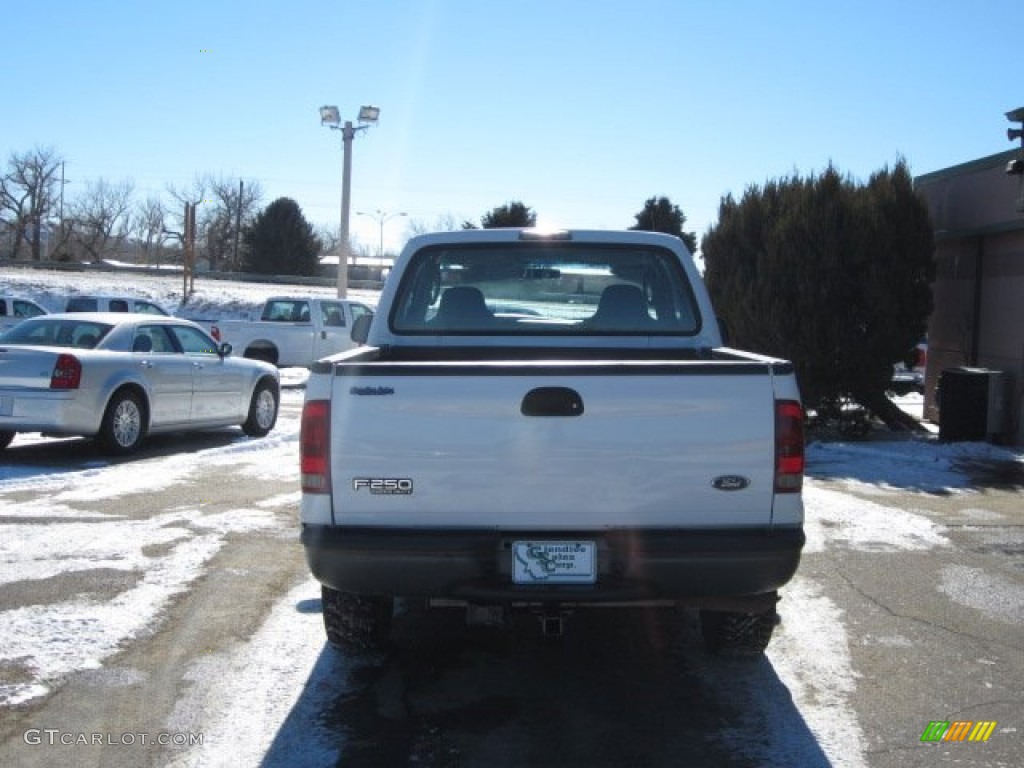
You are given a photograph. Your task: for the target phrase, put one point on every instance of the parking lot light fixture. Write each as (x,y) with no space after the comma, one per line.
(331,117)
(1016,166)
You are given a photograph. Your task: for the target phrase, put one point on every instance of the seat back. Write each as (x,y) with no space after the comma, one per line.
(462,306)
(622,307)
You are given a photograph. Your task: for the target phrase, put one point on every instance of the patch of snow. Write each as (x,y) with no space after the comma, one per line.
(808,671)
(836,519)
(999,599)
(925,465)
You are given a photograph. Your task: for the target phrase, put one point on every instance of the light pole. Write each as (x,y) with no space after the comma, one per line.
(1016,166)
(330,117)
(382,217)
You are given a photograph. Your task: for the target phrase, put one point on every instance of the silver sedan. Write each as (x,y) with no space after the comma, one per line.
(118,378)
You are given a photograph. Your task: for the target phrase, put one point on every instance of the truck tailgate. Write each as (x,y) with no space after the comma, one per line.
(553,446)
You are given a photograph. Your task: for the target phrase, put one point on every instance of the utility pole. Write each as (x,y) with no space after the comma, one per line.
(189,243)
(62,183)
(238,224)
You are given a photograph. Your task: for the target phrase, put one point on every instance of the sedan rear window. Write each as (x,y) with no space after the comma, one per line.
(42,331)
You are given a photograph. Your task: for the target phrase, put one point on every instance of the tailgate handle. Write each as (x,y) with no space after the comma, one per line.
(552,401)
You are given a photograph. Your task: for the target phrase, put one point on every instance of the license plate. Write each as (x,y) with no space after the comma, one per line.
(553,562)
(6,406)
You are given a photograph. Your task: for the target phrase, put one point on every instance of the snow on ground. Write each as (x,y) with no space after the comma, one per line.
(168,551)
(252,692)
(810,650)
(810,654)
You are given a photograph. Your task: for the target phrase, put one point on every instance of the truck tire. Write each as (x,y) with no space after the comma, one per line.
(356,622)
(124,423)
(6,436)
(262,410)
(737,634)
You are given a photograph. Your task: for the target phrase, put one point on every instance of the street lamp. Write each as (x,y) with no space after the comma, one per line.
(1016,166)
(330,117)
(382,217)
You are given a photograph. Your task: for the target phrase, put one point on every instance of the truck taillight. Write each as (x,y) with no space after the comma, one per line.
(314,447)
(789,446)
(67,373)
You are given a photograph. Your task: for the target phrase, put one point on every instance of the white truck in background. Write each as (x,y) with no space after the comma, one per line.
(83,303)
(293,331)
(546,422)
(14,309)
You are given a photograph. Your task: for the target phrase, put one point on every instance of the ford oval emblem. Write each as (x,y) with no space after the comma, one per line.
(730,482)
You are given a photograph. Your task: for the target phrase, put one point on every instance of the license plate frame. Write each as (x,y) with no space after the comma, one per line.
(554,562)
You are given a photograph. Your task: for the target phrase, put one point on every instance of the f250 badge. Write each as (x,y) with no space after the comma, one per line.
(383,486)
(730,483)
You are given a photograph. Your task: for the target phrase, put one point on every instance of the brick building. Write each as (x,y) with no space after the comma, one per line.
(978,319)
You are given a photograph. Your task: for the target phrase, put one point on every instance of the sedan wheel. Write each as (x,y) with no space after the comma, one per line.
(262,410)
(122,429)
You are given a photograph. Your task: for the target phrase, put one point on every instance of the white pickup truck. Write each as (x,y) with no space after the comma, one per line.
(549,421)
(293,330)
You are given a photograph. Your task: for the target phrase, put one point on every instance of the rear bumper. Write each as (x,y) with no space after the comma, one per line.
(697,567)
(52,411)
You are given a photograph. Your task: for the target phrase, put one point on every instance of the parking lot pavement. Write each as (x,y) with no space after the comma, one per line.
(929,580)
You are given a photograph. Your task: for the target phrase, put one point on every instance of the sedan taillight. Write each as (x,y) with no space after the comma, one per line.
(67,373)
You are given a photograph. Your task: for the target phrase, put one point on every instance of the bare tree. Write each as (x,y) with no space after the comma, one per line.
(223,210)
(101,218)
(149,222)
(28,192)
(235,205)
(446,222)
(328,237)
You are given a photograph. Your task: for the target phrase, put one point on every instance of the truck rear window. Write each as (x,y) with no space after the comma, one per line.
(560,289)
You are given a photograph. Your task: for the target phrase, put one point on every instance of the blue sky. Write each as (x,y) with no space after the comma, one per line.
(580,109)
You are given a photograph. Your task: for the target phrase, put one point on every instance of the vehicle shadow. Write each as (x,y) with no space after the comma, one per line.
(45,455)
(619,688)
(994,473)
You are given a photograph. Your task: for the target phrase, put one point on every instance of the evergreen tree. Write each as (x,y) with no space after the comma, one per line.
(660,215)
(830,274)
(281,241)
(513,214)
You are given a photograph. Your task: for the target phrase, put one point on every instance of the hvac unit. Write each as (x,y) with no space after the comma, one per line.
(972,404)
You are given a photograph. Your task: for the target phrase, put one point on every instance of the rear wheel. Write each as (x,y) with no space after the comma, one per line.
(262,410)
(356,622)
(737,634)
(5,438)
(124,423)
